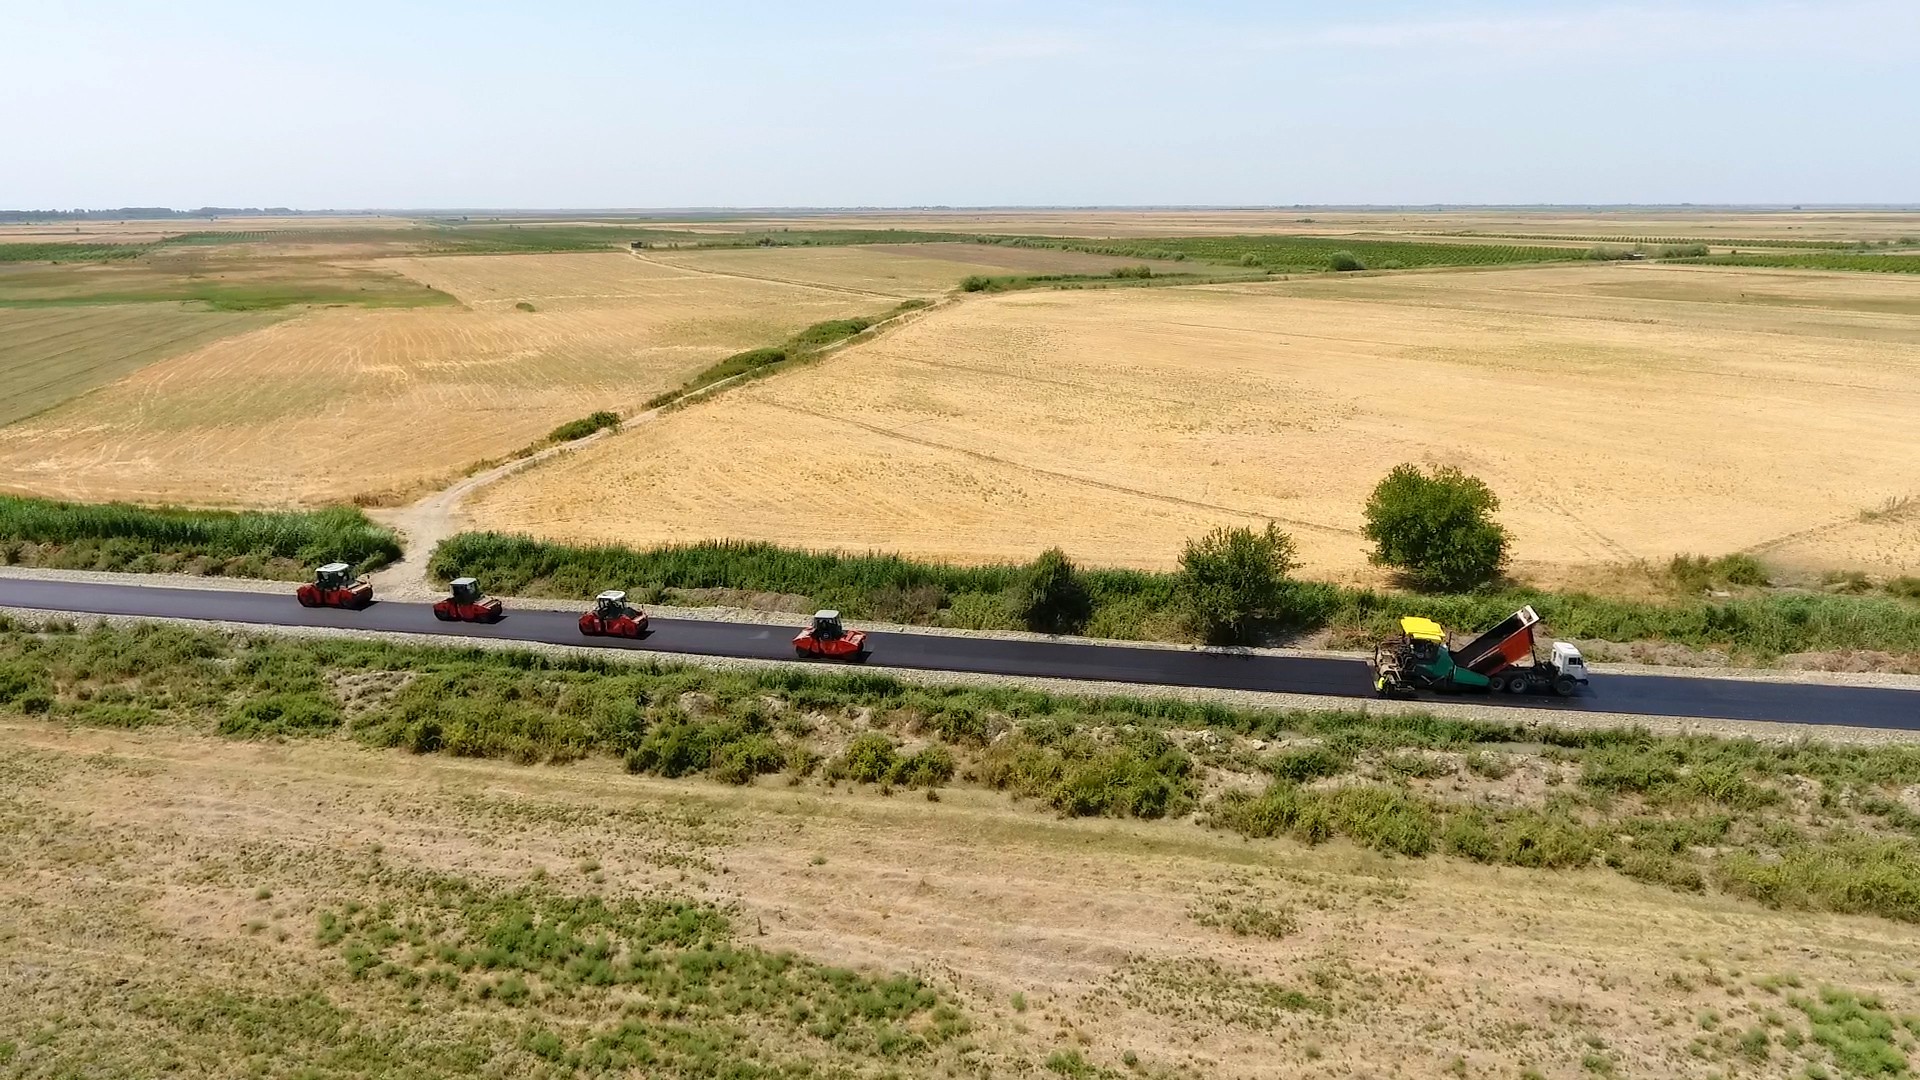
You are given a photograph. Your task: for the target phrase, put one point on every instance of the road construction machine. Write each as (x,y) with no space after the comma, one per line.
(1505,659)
(334,585)
(467,604)
(826,639)
(612,616)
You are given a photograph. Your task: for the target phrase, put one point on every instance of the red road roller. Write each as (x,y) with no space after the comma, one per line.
(334,585)
(467,604)
(826,639)
(612,616)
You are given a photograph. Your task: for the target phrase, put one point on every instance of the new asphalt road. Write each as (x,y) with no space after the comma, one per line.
(1648,695)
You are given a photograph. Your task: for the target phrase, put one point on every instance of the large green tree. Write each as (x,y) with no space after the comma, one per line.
(1437,527)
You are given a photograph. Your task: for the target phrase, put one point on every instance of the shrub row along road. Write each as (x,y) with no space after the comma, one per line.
(1647,695)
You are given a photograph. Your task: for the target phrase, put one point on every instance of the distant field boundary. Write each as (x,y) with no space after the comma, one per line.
(1274,253)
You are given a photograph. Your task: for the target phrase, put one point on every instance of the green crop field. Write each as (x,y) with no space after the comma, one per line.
(1816,260)
(66,253)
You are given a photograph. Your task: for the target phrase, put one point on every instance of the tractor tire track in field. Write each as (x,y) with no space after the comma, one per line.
(814,285)
(1821,529)
(934,444)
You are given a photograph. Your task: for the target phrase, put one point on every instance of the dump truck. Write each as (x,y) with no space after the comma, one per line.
(1505,659)
(826,639)
(334,585)
(612,616)
(467,604)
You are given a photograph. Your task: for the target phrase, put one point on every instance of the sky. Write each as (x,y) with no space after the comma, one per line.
(719,103)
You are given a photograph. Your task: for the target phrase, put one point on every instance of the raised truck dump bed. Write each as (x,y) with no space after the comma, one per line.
(1503,646)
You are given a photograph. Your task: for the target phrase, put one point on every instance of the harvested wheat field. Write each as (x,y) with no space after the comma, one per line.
(51,354)
(344,402)
(209,907)
(1621,411)
(902,270)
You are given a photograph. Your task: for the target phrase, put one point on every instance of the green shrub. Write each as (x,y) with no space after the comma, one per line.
(869,759)
(1233,575)
(1906,586)
(1049,597)
(680,746)
(23,682)
(928,767)
(821,334)
(975,283)
(1345,261)
(585,426)
(1697,573)
(1138,272)
(739,760)
(1436,527)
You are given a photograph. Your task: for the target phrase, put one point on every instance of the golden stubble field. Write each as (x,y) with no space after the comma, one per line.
(1622,412)
(339,402)
(53,353)
(165,892)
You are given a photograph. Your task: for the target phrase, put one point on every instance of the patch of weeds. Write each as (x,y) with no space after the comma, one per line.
(282,715)
(1132,772)
(1857,1030)
(1245,918)
(472,948)
(1382,818)
(1204,990)
(1490,766)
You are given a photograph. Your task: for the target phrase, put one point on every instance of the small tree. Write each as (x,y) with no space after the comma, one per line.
(1229,576)
(1345,261)
(1437,527)
(1048,596)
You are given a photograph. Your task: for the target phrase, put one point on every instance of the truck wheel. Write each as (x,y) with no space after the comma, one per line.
(1520,684)
(1496,684)
(1564,686)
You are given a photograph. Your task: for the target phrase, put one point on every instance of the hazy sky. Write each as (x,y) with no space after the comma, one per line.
(718,103)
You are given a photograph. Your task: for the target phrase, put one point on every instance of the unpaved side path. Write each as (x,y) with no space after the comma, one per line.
(424,524)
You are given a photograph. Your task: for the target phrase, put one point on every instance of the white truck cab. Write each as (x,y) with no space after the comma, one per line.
(1568,661)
